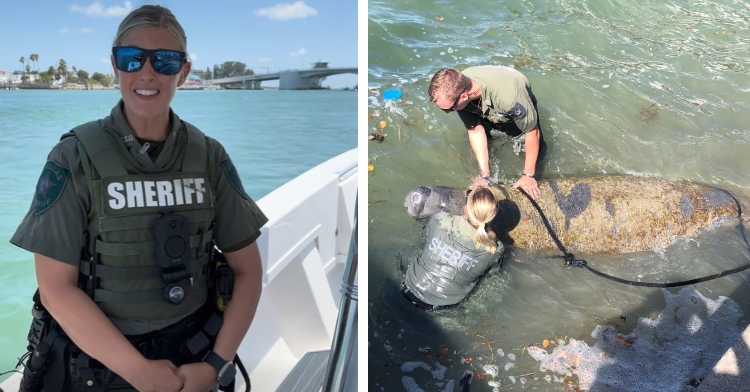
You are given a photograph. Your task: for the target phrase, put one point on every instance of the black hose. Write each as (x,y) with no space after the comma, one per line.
(571,261)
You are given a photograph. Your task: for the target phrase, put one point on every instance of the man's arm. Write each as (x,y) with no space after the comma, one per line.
(529,184)
(478,142)
(92,331)
(532,151)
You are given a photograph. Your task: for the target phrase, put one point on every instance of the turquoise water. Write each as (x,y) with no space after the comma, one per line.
(272,136)
(624,87)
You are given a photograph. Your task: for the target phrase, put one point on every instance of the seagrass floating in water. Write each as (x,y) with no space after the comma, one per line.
(606,214)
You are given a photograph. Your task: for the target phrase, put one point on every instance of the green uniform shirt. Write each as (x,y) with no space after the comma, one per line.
(59,212)
(506,97)
(450,263)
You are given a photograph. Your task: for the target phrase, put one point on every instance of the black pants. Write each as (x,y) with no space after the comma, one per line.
(167,343)
(421,304)
(414,299)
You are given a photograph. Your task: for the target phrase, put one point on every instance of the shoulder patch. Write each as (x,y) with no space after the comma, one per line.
(50,186)
(234,177)
(517,112)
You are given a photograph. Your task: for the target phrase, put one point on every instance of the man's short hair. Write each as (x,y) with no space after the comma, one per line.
(449,82)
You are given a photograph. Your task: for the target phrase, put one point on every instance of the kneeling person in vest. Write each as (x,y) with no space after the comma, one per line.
(457,253)
(125,217)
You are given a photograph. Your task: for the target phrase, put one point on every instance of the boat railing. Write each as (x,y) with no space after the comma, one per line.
(345,337)
(304,247)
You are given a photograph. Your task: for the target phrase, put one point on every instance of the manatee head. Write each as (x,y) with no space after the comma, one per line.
(415,201)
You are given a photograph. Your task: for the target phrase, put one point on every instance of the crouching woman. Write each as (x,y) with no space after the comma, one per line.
(459,250)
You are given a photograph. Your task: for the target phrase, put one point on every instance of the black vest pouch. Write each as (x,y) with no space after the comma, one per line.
(174,342)
(45,370)
(88,374)
(173,252)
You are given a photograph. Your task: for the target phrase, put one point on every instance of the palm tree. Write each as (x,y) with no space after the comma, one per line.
(62,68)
(23,62)
(35,58)
(83,76)
(53,73)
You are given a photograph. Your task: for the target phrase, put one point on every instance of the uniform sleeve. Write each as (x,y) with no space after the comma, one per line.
(470,119)
(58,215)
(238,219)
(523,111)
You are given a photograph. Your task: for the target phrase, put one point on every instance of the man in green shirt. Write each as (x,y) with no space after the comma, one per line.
(493,101)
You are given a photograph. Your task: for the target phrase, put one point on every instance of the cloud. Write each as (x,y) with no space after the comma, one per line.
(286,11)
(98,11)
(264,59)
(84,30)
(298,52)
(192,57)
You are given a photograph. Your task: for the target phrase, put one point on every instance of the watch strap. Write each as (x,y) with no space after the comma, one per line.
(214,360)
(225,373)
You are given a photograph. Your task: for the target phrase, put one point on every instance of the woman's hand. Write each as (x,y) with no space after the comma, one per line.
(479,181)
(199,377)
(158,376)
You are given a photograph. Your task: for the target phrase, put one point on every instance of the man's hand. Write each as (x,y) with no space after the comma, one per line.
(529,185)
(199,377)
(158,376)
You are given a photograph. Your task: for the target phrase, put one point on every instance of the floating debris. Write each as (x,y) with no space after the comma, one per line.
(377,137)
(648,114)
(681,344)
(492,370)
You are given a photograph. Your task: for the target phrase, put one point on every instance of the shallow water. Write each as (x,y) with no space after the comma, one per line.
(654,90)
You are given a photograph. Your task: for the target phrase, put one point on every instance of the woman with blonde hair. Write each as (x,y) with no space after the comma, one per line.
(457,253)
(123,226)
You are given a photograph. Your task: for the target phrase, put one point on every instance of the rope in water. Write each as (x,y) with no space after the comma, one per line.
(572,261)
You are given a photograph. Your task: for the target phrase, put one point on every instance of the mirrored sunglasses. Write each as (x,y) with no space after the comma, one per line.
(453,107)
(164,61)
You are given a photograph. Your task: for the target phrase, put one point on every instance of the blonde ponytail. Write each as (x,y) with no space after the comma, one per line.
(481,208)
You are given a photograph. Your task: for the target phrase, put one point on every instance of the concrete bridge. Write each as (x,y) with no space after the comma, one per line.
(293,79)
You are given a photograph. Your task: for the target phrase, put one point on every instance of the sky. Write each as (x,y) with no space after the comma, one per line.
(267,35)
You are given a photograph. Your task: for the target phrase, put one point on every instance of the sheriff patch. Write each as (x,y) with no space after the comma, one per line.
(234,177)
(517,112)
(50,186)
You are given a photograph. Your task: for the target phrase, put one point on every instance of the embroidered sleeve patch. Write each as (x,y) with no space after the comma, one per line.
(50,186)
(517,112)
(233,176)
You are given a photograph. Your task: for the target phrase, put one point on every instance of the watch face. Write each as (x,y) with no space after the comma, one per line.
(227,373)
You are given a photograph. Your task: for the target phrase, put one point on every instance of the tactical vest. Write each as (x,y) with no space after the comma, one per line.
(119,265)
(450,263)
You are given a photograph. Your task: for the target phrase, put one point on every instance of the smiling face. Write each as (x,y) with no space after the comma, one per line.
(146,93)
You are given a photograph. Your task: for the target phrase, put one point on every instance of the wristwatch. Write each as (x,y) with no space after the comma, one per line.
(226,369)
(527,174)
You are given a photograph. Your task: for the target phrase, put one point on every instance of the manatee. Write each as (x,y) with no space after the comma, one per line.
(606,214)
